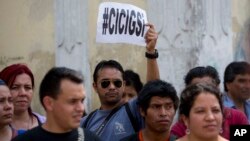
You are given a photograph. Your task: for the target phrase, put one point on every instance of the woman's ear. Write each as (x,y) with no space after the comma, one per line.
(185,120)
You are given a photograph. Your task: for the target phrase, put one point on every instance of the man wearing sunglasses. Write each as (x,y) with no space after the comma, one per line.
(115,120)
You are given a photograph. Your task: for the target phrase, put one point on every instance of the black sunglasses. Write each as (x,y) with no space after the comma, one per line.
(106,83)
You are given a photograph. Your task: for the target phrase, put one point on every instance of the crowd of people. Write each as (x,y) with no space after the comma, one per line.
(130,110)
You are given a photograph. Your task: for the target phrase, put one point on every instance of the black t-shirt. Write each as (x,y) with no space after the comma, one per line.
(39,134)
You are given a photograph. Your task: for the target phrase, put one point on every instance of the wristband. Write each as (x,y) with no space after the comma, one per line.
(152,56)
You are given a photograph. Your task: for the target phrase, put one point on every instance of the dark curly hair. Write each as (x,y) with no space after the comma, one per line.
(190,93)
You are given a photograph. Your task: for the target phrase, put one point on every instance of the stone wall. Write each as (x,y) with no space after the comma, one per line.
(45,33)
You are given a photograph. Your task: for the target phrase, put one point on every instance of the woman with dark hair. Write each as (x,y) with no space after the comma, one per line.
(20,81)
(6,113)
(209,74)
(201,110)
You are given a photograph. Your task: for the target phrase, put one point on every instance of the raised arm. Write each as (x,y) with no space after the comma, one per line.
(151,53)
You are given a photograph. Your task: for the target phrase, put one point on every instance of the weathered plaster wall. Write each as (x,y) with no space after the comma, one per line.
(27,36)
(241,29)
(192,33)
(72,40)
(44,33)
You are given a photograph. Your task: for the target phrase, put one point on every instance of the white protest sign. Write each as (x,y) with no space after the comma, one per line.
(121,23)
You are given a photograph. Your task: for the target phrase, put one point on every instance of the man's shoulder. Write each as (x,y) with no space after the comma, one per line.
(234,116)
(90,135)
(104,113)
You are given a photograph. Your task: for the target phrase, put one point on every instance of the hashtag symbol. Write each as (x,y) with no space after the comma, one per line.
(105,20)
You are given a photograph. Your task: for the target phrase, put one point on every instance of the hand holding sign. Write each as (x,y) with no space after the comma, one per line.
(121,23)
(151,38)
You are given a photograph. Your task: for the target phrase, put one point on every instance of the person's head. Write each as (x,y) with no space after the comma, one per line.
(201,109)
(6,105)
(202,74)
(237,80)
(133,85)
(109,83)
(158,103)
(62,94)
(20,81)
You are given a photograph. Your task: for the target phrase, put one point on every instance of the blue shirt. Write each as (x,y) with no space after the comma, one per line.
(118,126)
(228,102)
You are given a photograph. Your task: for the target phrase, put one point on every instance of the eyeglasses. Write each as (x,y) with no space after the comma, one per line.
(106,83)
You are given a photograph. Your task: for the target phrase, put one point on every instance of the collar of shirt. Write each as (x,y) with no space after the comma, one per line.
(228,102)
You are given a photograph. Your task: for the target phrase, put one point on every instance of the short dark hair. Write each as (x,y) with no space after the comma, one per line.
(233,69)
(50,85)
(133,79)
(190,93)
(156,88)
(199,72)
(107,64)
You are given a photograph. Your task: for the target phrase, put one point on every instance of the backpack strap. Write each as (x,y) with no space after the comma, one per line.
(132,118)
(38,120)
(88,118)
(100,129)
(130,115)
(80,134)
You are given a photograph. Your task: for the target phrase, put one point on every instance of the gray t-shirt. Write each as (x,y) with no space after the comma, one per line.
(118,126)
